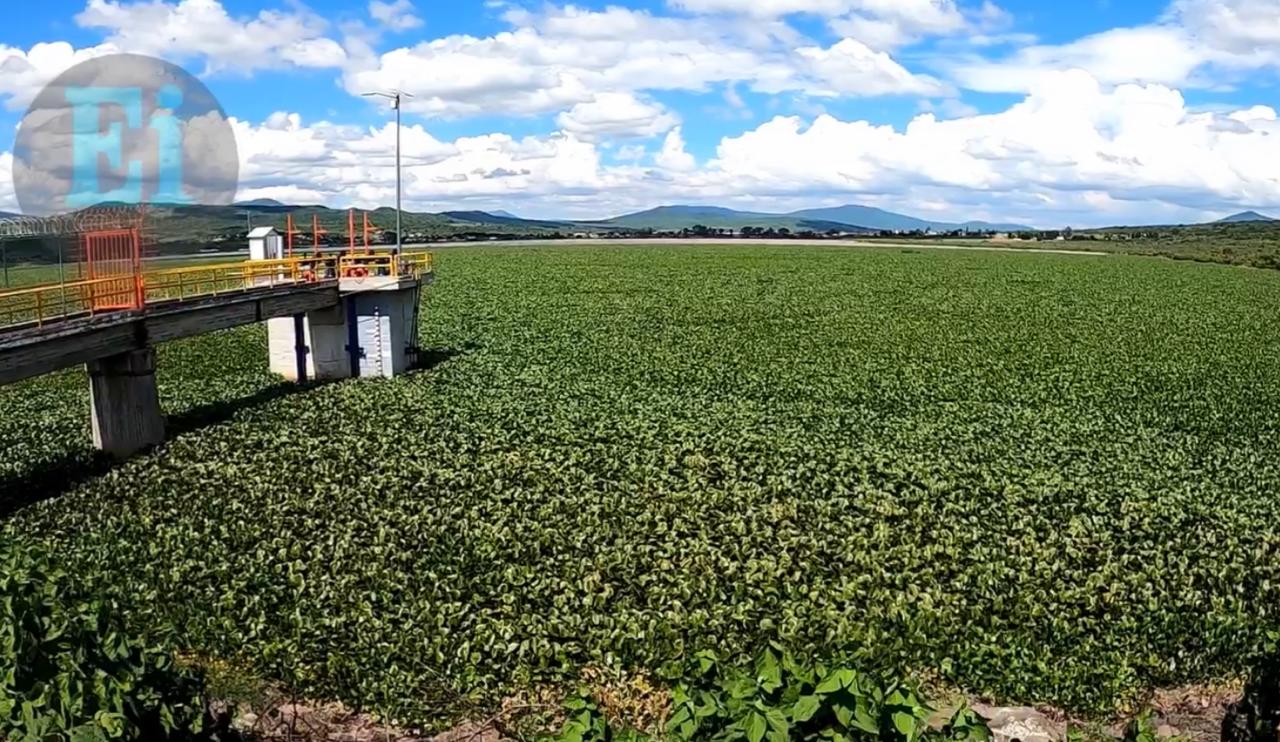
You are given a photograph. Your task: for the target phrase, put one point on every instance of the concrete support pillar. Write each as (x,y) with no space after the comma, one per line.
(386,330)
(371,332)
(125,403)
(327,337)
(284,343)
(318,352)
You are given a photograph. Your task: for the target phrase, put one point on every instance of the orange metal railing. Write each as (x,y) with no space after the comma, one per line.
(37,306)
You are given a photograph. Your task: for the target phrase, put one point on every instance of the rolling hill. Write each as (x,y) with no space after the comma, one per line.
(869,216)
(261,203)
(182,227)
(852,217)
(504,219)
(672,218)
(174,223)
(1245,217)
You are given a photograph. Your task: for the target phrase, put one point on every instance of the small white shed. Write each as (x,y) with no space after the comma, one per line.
(265,243)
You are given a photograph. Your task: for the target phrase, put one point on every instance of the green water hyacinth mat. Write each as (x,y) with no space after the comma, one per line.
(1043,478)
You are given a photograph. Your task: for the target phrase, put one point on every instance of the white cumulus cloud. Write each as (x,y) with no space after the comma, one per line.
(1153,54)
(1137,143)
(558,58)
(882,24)
(616,115)
(1101,134)
(851,68)
(24,73)
(1249,29)
(1073,151)
(1195,43)
(673,155)
(397,15)
(204,29)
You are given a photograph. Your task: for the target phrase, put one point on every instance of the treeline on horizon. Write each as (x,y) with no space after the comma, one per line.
(1256,243)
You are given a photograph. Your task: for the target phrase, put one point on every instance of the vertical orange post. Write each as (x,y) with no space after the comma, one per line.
(367,229)
(288,231)
(140,299)
(315,233)
(351,231)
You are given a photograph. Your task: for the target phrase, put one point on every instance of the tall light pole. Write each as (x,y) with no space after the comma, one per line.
(395,96)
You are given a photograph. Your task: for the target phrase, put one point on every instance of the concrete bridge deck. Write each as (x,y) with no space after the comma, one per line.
(328,317)
(30,350)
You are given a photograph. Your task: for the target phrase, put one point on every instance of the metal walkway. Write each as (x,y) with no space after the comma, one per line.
(48,327)
(41,305)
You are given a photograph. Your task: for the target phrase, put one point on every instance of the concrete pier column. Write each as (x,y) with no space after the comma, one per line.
(386,329)
(371,332)
(313,348)
(328,336)
(125,403)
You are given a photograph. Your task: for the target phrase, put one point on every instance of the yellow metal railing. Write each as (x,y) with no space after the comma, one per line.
(384,264)
(39,305)
(418,263)
(222,278)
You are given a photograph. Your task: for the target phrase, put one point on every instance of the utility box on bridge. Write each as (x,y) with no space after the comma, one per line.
(265,243)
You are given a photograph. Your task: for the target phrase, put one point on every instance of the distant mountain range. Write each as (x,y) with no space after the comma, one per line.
(1245,217)
(201,223)
(503,218)
(262,203)
(852,218)
(675,218)
(873,218)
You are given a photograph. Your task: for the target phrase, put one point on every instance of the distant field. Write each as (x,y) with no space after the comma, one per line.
(25,274)
(1039,477)
(1253,244)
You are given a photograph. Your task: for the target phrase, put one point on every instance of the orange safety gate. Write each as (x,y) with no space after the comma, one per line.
(116,255)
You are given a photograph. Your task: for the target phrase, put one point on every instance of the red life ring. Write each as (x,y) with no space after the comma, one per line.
(359,272)
(309,276)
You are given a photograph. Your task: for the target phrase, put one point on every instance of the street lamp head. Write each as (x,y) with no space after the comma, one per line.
(394,96)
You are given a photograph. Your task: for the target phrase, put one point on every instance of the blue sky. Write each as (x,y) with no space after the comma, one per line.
(1099,112)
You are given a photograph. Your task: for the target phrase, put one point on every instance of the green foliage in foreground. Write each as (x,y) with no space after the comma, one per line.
(70,670)
(1256,716)
(1040,478)
(781,699)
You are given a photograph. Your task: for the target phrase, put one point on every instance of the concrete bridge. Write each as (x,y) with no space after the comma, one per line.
(329,317)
